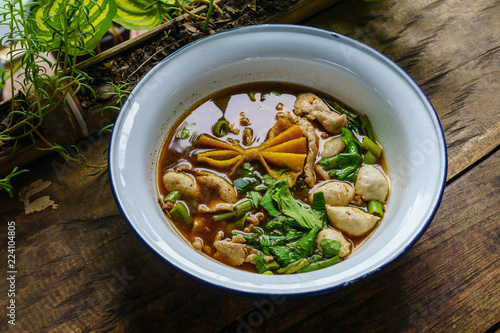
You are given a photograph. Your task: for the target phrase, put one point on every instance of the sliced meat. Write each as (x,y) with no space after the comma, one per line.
(225,190)
(238,238)
(312,107)
(322,172)
(336,193)
(237,253)
(345,246)
(333,147)
(371,184)
(179,181)
(214,208)
(352,221)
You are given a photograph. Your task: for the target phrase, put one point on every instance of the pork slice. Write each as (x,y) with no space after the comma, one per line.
(312,107)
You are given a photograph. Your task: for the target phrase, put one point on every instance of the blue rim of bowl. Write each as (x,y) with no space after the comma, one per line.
(323,33)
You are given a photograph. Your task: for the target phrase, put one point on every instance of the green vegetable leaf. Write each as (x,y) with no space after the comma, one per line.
(267,200)
(345,165)
(330,247)
(260,263)
(80,23)
(255,197)
(305,246)
(319,205)
(244,184)
(284,255)
(290,207)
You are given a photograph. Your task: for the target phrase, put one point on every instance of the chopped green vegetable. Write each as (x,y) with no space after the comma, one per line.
(172,196)
(305,246)
(255,197)
(260,263)
(290,207)
(240,209)
(371,146)
(370,158)
(244,184)
(181,214)
(284,255)
(319,264)
(251,95)
(220,128)
(267,273)
(366,126)
(330,247)
(276,93)
(375,207)
(186,131)
(344,166)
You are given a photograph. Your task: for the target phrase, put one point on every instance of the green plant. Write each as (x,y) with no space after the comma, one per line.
(68,29)
(5,182)
(147,14)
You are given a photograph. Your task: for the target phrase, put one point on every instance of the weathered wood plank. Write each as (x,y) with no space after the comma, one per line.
(447,282)
(449,48)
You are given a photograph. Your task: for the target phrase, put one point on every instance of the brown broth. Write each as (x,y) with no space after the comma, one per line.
(230,103)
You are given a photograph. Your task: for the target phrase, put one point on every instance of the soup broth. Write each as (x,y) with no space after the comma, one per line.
(273,178)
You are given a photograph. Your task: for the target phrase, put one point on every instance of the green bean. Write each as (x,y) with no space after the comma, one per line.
(370,158)
(239,211)
(301,264)
(172,196)
(273,264)
(366,126)
(319,264)
(267,273)
(371,146)
(180,213)
(220,128)
(340,109)
(375,207)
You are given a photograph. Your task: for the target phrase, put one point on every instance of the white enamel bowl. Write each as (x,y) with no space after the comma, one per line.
(403,118)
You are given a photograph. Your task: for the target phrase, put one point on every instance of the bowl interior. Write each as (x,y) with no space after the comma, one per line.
(403,119)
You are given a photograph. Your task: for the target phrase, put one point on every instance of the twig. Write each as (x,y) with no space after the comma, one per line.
(154,54)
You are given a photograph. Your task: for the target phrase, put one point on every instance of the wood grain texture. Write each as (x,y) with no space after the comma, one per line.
(450,48)
(447,282)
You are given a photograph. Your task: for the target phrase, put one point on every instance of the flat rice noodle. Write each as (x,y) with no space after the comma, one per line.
(295,146)
(206,140)
(219,163)
(293,132)
(294,161)
(220,154)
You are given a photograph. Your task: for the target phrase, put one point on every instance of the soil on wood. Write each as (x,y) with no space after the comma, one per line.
(133,64)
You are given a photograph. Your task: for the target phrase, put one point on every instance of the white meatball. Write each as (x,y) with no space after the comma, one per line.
(178,181)
(336,193)
(352,221)
(371,184)
(333,147)
(345,246)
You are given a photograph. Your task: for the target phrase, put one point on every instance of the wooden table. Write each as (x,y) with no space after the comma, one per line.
(80,268)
